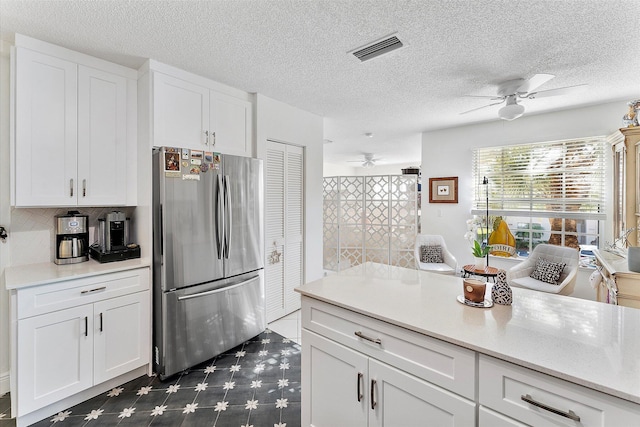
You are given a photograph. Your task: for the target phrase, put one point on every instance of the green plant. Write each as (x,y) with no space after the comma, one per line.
(479,251)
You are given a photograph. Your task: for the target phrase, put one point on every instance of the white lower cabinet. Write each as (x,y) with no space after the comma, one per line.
(347,388)
(70,336)
(55,357)
(537,399)
(360,371)
(357,371)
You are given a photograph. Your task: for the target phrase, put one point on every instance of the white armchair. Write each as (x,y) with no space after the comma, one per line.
(449,264)
(519,275)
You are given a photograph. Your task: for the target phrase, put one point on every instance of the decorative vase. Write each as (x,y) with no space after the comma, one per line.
(480,263)
(501,291)
(633,258)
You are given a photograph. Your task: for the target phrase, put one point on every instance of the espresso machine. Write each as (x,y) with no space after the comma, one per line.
(72,238)
(113,239)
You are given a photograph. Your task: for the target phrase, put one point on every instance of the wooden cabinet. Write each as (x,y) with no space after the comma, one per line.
(537,399)
(70,336)
(190,115)
(618,285)
(626,183)
(71,139)
(360,372)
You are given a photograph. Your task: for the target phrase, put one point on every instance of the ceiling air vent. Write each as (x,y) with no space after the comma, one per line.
(377,48)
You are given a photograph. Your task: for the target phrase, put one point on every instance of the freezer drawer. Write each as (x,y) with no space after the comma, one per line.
(204,321)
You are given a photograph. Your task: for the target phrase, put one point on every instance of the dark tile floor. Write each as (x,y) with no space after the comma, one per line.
(255,384)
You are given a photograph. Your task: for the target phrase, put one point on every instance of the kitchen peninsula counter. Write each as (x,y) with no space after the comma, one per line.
(588,343)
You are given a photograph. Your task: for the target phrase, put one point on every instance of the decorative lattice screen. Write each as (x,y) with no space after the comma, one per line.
(369,218)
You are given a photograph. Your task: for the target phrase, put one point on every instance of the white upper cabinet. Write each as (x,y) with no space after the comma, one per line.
(189,114)
(102,138)
(46,130)
(230,124)
(72,130)
(181,113)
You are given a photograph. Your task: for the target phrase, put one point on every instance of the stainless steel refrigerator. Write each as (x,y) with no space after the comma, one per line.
(208,278)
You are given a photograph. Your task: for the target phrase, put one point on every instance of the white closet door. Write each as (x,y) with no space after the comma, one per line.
(274,230)
(294,227)
(284,216)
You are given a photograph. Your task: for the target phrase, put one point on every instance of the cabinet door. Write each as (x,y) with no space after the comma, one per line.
(230,119)
(55,357)
(46,130)
(122,335)
(401,399)
(334,384)
(180,113)
(102,138)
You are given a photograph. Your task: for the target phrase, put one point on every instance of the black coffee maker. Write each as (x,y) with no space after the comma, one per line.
(113,239)
(72,238)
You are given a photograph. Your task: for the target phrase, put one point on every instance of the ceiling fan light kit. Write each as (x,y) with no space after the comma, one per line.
(512,110)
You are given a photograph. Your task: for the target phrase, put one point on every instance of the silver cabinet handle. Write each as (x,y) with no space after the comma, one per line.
(569,414)
(71,187)
(364,337)
(373,397)
(213,135)
(206,137)
(84,188)
(101,288)
(360,378)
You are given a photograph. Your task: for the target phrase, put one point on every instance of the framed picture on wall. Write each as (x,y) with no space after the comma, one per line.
(443,190)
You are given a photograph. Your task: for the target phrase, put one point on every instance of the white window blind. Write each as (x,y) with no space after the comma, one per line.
(559,179)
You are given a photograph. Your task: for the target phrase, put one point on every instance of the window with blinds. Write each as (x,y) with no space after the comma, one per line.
(555,188)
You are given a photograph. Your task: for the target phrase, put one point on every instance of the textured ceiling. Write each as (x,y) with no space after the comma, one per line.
(296,52)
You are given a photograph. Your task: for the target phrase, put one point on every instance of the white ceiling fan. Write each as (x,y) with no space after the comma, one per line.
(511,90)
(368,162)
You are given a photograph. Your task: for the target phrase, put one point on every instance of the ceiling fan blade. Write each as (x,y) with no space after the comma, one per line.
(555,92)
(493,98)
(484,106)
(534,82)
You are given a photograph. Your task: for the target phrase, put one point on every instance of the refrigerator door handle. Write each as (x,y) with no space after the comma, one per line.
(161,235)
(215,291)
(219,217)
(228,215)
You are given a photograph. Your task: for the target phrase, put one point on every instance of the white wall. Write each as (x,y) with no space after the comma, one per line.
(447,152)
(280,122)
(5,214)
(332,169)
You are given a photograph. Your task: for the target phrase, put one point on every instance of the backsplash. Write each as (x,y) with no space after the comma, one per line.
(33,231)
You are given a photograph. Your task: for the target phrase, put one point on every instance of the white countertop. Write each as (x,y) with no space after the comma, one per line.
(613,263)
(48,272)
(589,343)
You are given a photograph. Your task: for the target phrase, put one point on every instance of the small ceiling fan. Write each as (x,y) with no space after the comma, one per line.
(368,162)
(511,90)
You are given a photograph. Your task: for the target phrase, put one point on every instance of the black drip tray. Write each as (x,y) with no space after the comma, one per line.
(116,255)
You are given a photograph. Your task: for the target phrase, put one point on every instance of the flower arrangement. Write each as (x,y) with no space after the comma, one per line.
(477,249)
